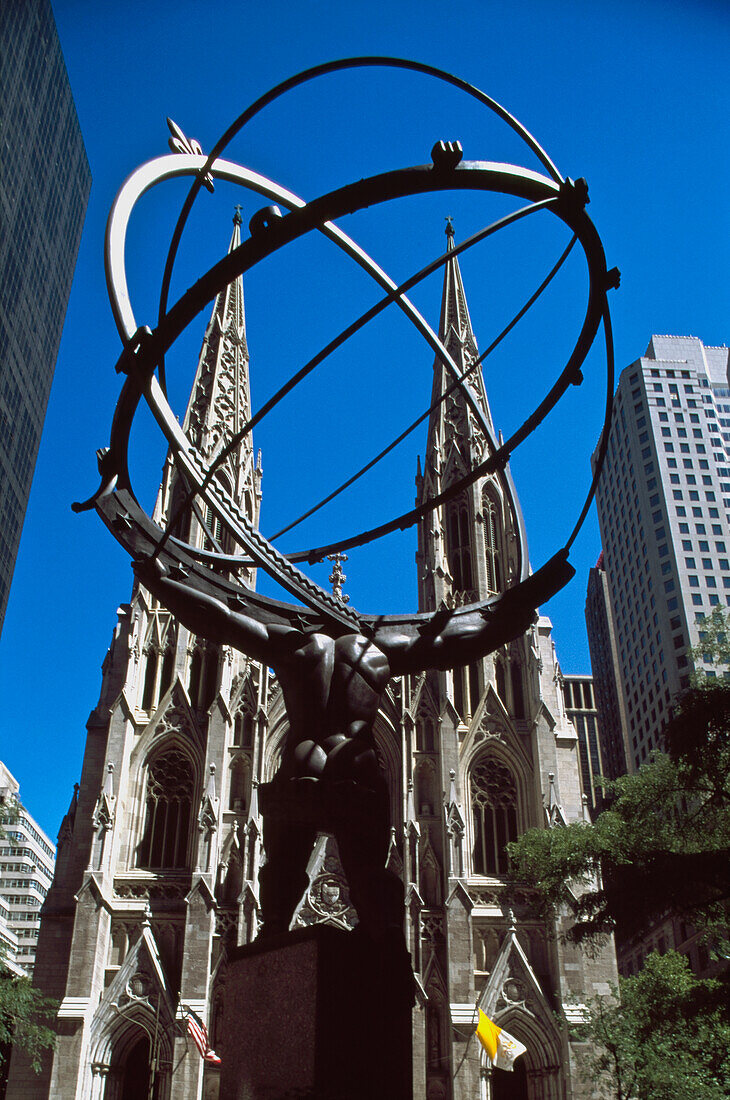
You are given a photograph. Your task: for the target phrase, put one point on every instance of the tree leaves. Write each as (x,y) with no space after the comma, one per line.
(664,1035)
(24,1017)
(664,844)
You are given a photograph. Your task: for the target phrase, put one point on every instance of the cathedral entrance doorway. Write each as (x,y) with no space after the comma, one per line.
(510,1086)
(132,1079)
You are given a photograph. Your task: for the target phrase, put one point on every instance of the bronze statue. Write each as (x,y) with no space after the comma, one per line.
(333,682)
(333,664)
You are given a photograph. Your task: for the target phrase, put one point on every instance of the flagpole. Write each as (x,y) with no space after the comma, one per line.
(155,1050)
(152,1036)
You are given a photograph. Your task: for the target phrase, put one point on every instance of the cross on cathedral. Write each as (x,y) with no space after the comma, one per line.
(337,577)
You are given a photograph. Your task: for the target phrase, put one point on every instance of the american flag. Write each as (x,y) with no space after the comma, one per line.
(199,1034)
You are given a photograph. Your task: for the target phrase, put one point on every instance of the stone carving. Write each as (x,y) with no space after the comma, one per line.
(327,899)
(106,803)
(432,927)
(164,890)
(139,986)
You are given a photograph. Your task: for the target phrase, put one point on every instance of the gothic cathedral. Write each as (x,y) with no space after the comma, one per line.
(159,854)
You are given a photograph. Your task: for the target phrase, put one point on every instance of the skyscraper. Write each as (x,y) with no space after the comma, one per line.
(664,511)
(159,858)
(44,189)
(27,858)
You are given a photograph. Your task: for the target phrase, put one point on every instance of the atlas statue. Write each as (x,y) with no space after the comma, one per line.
(333,683)
(332,663)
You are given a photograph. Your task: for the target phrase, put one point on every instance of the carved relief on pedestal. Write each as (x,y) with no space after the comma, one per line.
(327,899)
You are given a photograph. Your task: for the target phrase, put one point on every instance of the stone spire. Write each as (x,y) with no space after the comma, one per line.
(455,328)
(455,441)
(466,549)
(220,399)
(220,402)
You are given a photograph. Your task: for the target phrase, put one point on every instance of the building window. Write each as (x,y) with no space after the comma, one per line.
(170,788)
(243,729)
(491,544)
(459,529)
(425,735)
(494,815)
(239,785)
(203,682)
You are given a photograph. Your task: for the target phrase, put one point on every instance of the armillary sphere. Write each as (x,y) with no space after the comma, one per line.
(144,349)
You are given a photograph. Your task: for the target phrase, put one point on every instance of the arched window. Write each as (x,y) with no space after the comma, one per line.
(203,683)
(425,789)
(168,667)
(474,693)
(209,679)
(459,544)
(214,525)
(492,544)
(425,736)
(238,789)
(494,814)
(243,730)
(170,791)
(459,691)
(518,694)
(501,681)
(150,677)
(196,665)
(157,674)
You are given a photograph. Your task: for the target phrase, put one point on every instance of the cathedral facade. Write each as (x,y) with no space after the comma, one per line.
(157,875)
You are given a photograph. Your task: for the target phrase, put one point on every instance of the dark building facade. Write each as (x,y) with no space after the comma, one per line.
(604,662)
(581,709)
(44,188)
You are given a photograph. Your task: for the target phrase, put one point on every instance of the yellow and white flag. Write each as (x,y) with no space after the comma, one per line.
(501,1047)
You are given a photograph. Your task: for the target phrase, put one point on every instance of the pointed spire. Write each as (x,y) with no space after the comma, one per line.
(220,402)
(410,804)
(554,810)
(108,789)
(455,440)
(220,406)
(452,788)
(253,810)
(229,307)
(455,319)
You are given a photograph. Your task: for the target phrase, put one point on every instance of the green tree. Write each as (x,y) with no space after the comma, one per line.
(662,846)
(713,647)
(665,1035)
(25,1016)
(24,1012)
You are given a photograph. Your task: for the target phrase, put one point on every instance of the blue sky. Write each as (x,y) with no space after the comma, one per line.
(633,97)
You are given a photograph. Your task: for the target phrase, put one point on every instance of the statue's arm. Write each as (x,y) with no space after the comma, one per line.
(449,639)
(457,642)
(205,615)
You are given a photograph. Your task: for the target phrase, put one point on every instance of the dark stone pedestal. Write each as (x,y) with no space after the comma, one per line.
(317,1014)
